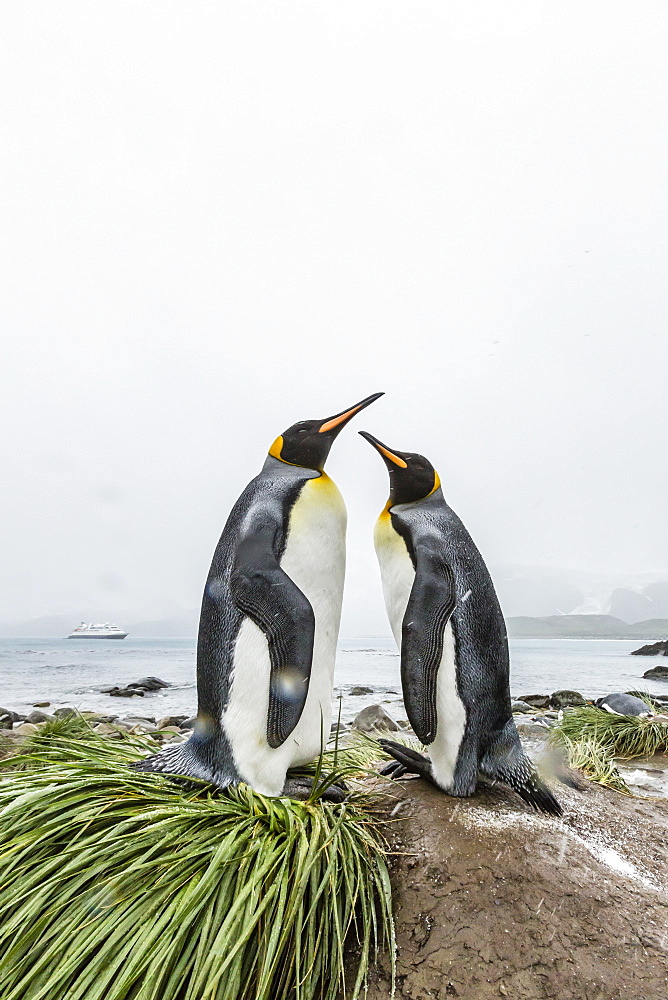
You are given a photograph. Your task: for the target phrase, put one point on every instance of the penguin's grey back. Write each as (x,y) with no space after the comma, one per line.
(475,731)
(272,493)
(477,620)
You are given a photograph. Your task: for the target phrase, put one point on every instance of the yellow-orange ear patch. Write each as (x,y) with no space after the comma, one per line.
(277,448)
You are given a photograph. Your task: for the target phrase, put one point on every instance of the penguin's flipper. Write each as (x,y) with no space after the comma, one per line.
(267,595)
(431,603)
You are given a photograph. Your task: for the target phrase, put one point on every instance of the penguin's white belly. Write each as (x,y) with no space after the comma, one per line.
(398,574)
(314,559)
(450,715)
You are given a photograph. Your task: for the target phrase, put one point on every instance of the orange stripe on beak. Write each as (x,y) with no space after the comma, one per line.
(393,458)
(329,425)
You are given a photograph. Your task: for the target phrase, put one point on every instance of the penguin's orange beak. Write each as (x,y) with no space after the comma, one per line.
(383,450)
(337,422)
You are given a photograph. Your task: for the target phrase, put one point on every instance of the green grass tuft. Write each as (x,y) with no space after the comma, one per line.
(68,725)
(119,885)
(621,735)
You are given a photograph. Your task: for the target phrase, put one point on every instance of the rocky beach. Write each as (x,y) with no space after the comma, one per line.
(490,899)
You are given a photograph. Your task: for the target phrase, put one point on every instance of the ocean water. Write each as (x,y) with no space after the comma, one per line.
(71,672)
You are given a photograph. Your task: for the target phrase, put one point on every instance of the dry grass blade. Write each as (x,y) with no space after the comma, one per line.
(595,761)
(120,885)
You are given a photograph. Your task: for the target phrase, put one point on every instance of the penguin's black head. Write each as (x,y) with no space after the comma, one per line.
(412,476)
(308,442)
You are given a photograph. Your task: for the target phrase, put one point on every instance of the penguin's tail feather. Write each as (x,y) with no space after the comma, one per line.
(506,761)
(181,761)
(535,793)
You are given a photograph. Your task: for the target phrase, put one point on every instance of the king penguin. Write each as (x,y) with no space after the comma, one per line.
(448,624)
(269,622)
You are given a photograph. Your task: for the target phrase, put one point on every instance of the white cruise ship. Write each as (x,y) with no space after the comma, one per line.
(105,631)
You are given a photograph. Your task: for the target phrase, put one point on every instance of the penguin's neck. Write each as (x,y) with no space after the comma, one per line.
(278,467)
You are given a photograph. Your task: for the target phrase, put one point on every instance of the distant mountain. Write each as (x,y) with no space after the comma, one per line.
(164,628)
(45,627)
(640,605)
(532,591)
(585,627)
(59,626)
(541,591)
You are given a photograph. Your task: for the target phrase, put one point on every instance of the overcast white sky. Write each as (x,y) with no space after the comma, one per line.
(218,219)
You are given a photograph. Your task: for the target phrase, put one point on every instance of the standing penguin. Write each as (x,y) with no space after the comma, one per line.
(448,625)
(270,621)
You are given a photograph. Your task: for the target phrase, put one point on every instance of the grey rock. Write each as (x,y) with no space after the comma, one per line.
(65,713)
(37,716)
(536,700)
(360,690)
(533,729)
(171,720)
(189,723)
(14,716)
(522,707)
(566,699)
(657,674)
(106,729)
(41,704)
(25,728)
(372,718)
(652,649)
(136,688)
(150,684)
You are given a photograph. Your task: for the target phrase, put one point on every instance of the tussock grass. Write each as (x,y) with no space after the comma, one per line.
(595,761)
(121,885)
(68,725)
(621,735)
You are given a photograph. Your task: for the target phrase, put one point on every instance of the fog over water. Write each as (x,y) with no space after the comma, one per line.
(220,219)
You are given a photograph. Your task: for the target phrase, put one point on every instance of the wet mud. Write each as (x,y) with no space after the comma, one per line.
(493,900)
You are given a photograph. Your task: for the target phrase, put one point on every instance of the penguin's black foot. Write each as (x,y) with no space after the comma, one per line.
(302,788)
(406,761)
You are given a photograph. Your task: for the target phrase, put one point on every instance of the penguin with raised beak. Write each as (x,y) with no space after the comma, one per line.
(448,624)
(269,623)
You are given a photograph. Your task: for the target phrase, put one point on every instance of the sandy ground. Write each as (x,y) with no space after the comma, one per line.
(494,900)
